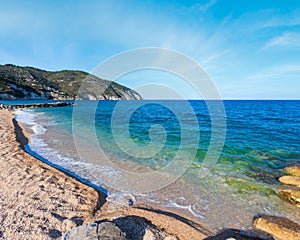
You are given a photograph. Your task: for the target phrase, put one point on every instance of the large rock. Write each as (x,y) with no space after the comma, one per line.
(234,234)
(290,193)
(290,180)
(295,170)
(108,230)
(95,231)
(280,228)
(139,228)
(122,228)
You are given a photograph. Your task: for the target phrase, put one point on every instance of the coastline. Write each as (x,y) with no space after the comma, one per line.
(41,201)
(38,201)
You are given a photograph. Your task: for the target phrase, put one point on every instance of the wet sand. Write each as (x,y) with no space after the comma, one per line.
(38,201)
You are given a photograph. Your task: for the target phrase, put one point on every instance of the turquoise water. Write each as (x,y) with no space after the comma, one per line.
(262,137)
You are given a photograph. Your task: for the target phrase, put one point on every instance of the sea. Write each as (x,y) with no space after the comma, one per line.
(219,160)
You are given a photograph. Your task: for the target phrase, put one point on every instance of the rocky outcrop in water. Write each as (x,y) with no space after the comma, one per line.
(280,228)
(295,170)
(291,190)
(290,180)
(32,83)
(292,194)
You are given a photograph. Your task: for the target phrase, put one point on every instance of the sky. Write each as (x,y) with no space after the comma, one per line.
(249,48)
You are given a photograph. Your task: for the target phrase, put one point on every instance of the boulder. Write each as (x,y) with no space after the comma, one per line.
(139,228)
(95,231)
(235,234)
(279,227)
(122,228)
(82,232)
(290,193)
(108,230)
(295,170)
(290,180)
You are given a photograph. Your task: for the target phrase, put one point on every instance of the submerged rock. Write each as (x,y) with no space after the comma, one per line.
(263,175)
(295,170)
(280,228)
(245,186)
(267,156)
(290,193)
(290,180)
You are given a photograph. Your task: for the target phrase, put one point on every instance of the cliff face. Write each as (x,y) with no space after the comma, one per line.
(32,83)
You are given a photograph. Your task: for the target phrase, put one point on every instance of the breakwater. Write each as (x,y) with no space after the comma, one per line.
(35,105)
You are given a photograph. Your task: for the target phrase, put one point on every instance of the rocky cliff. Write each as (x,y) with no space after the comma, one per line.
(32,83)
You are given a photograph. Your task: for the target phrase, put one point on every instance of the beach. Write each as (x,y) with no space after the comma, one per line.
(38,201)
(150,120)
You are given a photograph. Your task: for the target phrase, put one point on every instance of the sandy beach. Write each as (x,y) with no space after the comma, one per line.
(38,201)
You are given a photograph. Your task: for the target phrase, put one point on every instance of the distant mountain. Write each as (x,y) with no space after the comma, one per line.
(32,83)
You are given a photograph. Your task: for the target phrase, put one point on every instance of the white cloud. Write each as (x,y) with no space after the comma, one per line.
(277,82)
(200,7)
(283,20)
(206,6)
(287,39)
(214,57)
(83,35)
(279,72)
(256,21)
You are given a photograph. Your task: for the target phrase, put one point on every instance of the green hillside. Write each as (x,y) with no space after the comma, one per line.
(32,83)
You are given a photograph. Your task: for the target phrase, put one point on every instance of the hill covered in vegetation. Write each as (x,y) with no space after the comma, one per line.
(32,83)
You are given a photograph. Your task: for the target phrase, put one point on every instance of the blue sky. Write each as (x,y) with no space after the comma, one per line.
(251,49)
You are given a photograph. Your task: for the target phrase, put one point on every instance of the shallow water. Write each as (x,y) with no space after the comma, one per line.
(262,137)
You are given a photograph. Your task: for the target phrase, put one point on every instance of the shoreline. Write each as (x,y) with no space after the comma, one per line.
(23,138)
(37,200)
(173,221)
